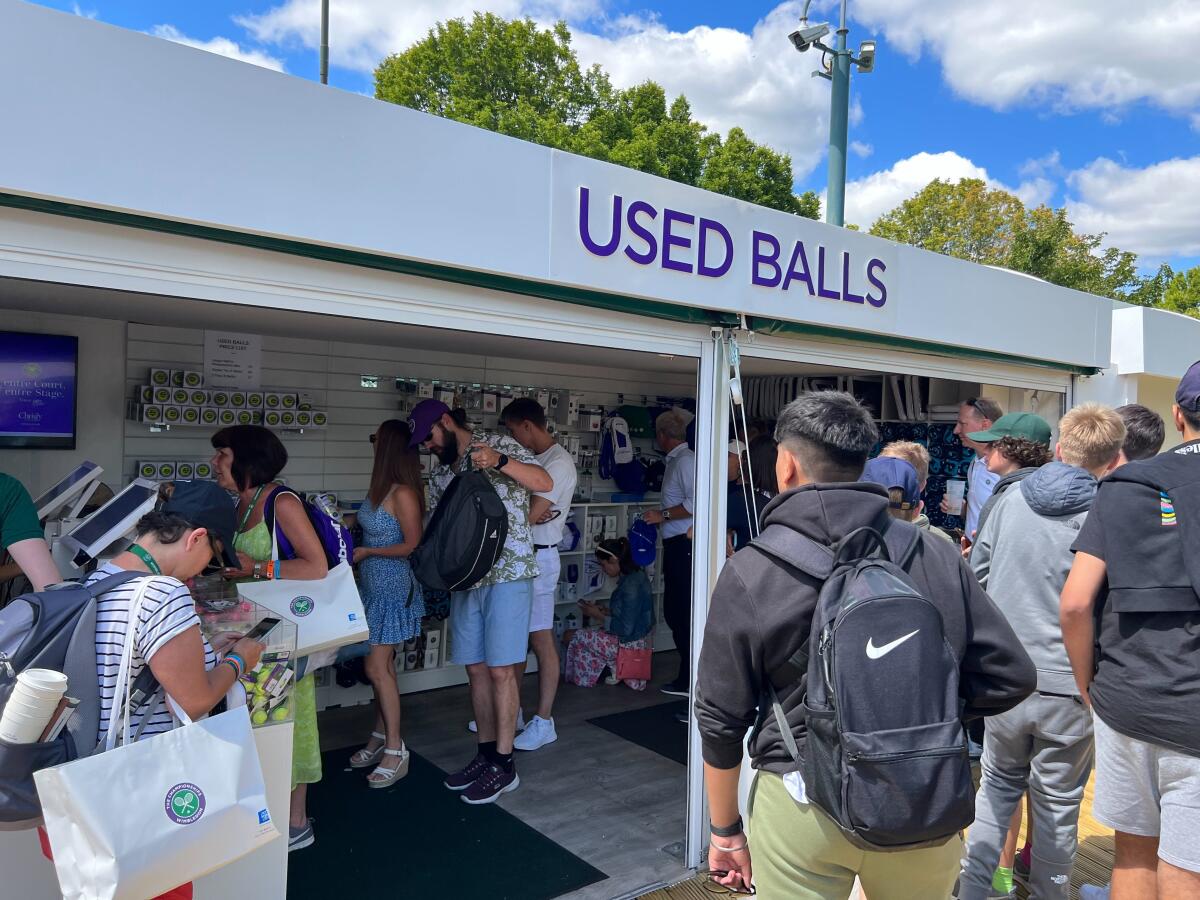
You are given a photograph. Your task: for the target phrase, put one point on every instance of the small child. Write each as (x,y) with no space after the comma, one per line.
(627,620)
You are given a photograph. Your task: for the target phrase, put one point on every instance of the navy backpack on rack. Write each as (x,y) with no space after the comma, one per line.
(617,461)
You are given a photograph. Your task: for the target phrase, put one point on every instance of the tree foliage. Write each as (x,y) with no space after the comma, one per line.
(512,77)
(969,220)
(1182,292)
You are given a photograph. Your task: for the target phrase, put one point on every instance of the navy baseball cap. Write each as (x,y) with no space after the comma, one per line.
(420,422)
(894,473)
(1188,393)
(205,504)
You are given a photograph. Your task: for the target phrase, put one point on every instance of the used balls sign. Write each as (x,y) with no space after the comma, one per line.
(184,803)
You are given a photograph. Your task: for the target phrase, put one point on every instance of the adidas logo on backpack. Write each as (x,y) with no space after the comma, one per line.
(886,755)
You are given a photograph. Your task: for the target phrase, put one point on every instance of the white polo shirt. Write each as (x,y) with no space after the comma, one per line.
(980,484)
(679,488)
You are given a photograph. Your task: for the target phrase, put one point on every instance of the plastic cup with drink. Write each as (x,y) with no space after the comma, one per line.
(956,491)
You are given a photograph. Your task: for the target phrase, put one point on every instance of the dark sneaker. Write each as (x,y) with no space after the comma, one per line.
(299,838)
(675,689)
(463,779)
(491,784)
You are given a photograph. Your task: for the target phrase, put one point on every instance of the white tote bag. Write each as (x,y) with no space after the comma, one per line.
(328,612)
(142,818)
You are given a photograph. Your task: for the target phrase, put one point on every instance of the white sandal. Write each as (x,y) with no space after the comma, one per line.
(364,758)
(390,775)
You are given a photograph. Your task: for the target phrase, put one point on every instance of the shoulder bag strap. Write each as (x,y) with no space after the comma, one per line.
(120,708)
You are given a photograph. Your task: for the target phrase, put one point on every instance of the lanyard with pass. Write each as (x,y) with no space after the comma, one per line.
(250,508)
(144,555)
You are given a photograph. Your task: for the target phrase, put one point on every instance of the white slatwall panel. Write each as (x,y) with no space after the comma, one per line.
(339,458)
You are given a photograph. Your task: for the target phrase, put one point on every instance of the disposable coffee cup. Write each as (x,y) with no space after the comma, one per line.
(956,489)
(44,681)
(23,723)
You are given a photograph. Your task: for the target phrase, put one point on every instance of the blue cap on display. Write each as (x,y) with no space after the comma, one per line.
(643,541)
(894,473)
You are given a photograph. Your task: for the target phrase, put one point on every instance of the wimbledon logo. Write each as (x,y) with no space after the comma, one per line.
(302,606)
(184,803)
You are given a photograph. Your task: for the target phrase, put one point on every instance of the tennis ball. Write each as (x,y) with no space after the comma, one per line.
(280,714)
(263,676)
(259,718)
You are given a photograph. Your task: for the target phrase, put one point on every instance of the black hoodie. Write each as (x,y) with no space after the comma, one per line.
(761,612)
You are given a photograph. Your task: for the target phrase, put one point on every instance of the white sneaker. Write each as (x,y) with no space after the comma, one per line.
(474,729)
(538,733)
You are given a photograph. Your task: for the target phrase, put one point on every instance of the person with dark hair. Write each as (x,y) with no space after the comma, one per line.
(1016,446)
(760,618)
(626,622)
(1136,559)
(1145,432)
(975,414)
(247,462)
(391,517)
(548,511)
(763,453)
(190,530)
(489,624)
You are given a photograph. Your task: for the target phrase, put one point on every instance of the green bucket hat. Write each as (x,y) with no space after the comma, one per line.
(1018,425)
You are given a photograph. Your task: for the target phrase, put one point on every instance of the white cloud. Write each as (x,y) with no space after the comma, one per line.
(1068,54)
(861,150)
(84,13)
(755,80)
(219,45)
(1153,211)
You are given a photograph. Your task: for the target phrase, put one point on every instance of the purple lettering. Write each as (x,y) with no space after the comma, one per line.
(882,298)
(828,295)
(702,267)
(801,274)
(758,238)
(846,294)
(670,239)
(584,233)
(641,206)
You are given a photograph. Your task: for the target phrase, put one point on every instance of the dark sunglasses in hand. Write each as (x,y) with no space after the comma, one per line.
(712,886)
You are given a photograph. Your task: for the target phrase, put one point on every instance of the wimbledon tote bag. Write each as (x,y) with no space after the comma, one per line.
(142,818)
(328,612)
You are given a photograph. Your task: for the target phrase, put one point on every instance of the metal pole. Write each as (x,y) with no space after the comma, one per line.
(324,41)
(839,115)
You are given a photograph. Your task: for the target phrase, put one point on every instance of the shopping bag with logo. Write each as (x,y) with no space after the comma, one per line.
(142,818)
(328,612)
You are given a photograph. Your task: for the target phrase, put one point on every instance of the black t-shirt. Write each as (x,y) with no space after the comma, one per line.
(1147,683)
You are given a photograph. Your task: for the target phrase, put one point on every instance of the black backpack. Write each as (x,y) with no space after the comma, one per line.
(886,754)
(54,629)
(465,537)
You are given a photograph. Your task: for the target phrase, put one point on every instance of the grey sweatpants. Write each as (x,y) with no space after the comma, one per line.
(1045,746)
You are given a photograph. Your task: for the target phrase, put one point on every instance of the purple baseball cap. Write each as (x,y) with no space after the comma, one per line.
(1188,393)
(420,421)
(894,473)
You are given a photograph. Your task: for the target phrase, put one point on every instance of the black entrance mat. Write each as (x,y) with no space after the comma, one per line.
(417,839)
(654,728)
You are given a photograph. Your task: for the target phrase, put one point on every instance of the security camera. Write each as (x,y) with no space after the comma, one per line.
(807,35)
(866,57)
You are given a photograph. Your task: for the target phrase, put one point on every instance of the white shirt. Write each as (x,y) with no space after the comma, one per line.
(557,461)
(980,484)
(679,488)
(168,610)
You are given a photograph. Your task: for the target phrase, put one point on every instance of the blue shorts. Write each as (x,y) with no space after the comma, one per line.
(491,624)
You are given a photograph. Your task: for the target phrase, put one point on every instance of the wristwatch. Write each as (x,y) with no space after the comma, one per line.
(502,461)
(666,514)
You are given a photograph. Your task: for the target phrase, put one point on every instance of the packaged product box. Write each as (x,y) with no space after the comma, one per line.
(543,399)
(166,471)
(172,415)
(219,398)
(209,415)
(425,389)
(199,398)
(181,396)
(160,378)
(287,418)
(145,394)
(592,421)
(256,399)
(304,400)
(190,415)
(147,470)
(272,418)
(288,401)
(177,378)
(610,526)
(152,412)
(245,417)
(185,470)
(446,395)
(271,401)
(193,379)
(304,418)
(491,402)
(237,399)
(320,419)
(162,395)
(433,640)
(227,416)
(204,470)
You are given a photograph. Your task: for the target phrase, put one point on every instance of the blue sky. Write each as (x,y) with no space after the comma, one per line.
(1092,104)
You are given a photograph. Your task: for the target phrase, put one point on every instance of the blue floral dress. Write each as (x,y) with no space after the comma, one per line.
(391,596)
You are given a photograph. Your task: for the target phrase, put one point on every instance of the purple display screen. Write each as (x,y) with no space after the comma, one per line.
(38,387)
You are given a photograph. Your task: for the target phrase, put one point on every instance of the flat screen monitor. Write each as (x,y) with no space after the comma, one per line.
(78,484)
(38,390)
(112,521)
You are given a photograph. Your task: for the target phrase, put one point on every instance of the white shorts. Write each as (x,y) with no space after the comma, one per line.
(545,590)
(1149,791)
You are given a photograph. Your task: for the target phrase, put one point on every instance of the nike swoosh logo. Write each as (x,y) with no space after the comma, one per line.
(874,652)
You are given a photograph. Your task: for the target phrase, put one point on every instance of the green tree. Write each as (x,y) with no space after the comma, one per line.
(517,79)
(1182,293)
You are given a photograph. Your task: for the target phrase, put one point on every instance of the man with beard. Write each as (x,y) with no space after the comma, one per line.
(489,624)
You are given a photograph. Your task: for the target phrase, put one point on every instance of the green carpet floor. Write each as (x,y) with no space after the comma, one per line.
(417,839)
(654,728)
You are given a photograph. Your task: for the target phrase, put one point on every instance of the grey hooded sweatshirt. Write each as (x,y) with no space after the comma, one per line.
(1022,557)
